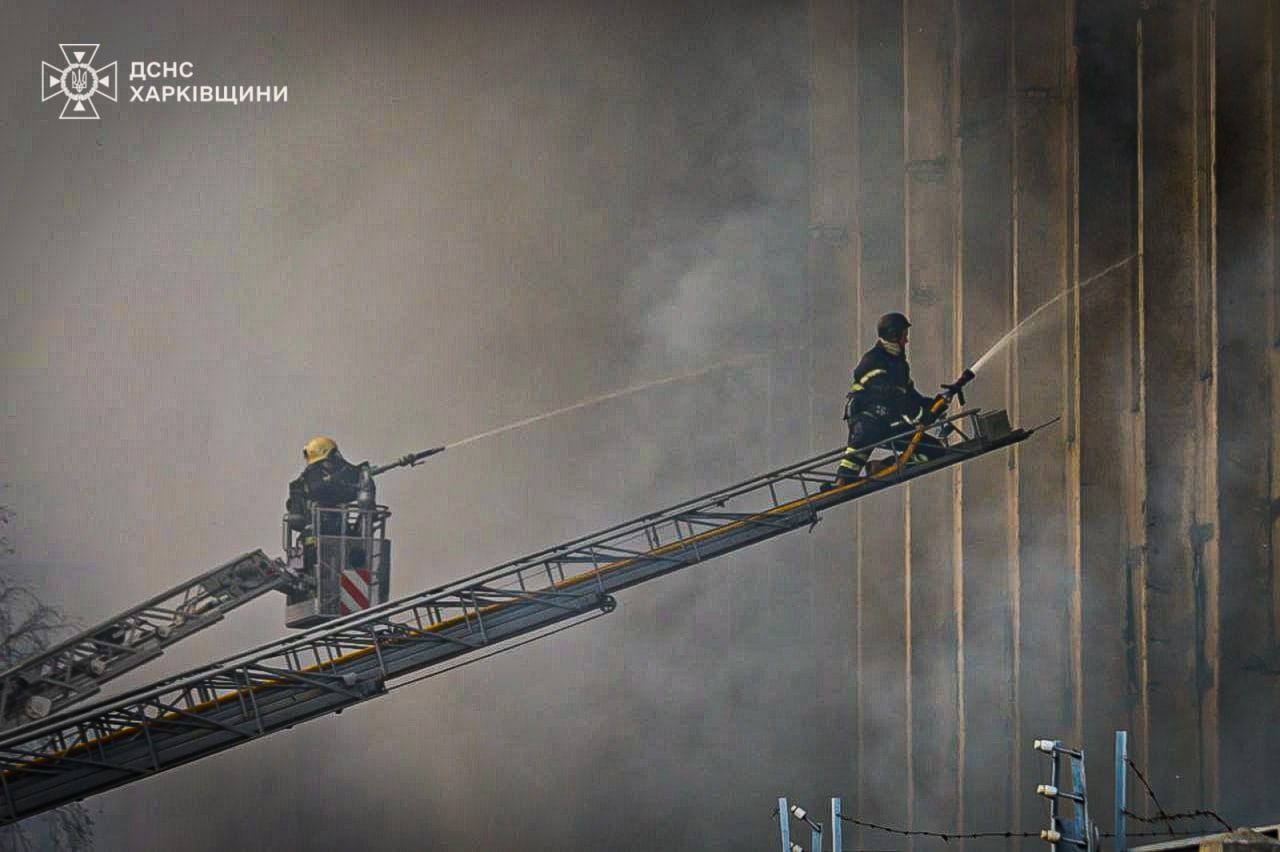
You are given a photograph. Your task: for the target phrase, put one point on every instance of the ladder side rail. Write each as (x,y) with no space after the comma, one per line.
(812,469)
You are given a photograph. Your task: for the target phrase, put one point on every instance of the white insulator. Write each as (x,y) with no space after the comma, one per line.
(38,706)
(798,812)
(1050,835)
(1047,790)
(1046,746)
(796,847)
(97,665)
(164,630)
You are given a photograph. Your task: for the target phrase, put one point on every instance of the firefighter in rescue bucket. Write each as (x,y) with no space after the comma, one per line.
(328,480)
(884,402)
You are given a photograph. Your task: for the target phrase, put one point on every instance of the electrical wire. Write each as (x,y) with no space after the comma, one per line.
(978,835)
(944,836)
(1160,811)
(1184,815)
(1163,816)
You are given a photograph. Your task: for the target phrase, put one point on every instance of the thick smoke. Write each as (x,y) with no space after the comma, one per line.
(469,214)
(463,217)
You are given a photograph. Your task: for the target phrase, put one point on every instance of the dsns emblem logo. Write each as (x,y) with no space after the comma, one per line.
(78,81)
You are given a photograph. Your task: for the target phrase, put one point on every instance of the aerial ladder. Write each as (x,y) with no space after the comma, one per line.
(343,661)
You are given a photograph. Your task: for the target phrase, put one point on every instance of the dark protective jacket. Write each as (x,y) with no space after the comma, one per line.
(329,482)
(882,388)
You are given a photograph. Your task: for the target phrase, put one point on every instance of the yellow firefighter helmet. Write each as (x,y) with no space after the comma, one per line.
(319,449)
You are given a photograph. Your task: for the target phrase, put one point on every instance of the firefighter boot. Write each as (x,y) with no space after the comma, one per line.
(850,467)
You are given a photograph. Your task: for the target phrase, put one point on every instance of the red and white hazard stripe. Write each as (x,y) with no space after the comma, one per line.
(357,587)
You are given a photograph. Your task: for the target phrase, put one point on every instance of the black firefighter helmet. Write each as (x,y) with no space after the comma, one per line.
(892,326)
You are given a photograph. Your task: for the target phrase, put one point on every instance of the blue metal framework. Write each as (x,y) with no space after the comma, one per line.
(1079,830)
(785,813)
(323,670)
(1122,788)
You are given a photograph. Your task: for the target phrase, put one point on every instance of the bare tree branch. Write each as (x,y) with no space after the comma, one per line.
(6,517)
(28,626)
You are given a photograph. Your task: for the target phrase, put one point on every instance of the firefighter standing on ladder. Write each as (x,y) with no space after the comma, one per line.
(884,402)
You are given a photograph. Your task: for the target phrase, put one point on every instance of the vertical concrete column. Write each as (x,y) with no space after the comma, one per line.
(790,594)
(1246,149)
(934,598)
(882,663)
(989,755)
(1071,412)
(832,273)
(1136,485)
(1206,538)
(1043,376)
(833,243)
(1107,152)
(1180,362)
(1272,106)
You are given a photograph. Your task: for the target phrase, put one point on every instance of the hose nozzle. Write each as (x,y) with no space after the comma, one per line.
(956,388)
(411,460)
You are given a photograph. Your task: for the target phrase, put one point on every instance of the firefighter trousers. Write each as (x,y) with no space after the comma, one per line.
(866,430)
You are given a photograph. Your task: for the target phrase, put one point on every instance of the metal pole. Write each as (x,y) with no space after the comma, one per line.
(1122,778)
(784,823)
(837,839)
(1083,822)
(1053,802)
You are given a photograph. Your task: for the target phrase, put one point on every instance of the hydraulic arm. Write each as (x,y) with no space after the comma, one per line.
(76,669)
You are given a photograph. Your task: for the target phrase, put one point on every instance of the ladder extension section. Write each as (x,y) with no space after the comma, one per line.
(77,668)
(339,664)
